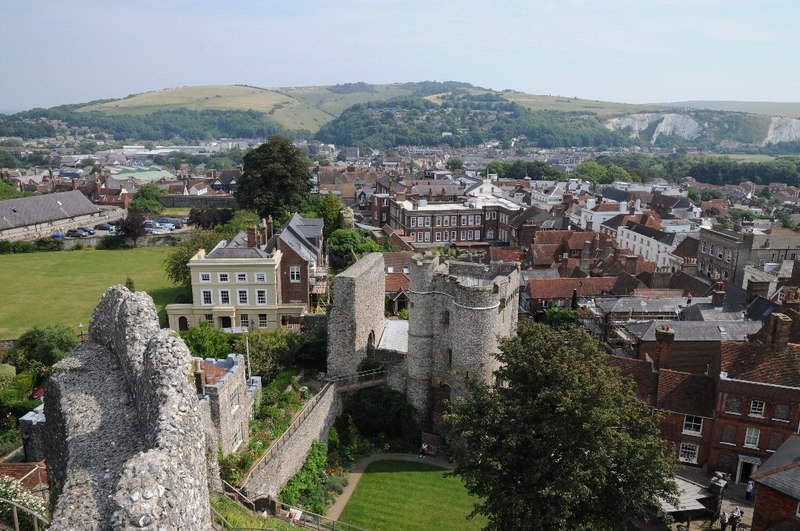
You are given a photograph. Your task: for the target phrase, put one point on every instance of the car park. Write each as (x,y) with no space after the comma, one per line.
(76,233)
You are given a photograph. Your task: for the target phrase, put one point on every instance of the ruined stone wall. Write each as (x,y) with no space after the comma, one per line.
(356,315)
(290,458)
(125,443)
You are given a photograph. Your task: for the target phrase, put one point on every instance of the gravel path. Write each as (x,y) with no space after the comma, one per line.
(358,470)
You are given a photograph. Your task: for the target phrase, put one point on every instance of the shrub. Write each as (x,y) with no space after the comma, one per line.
(44,345)
(79,246)
(13,490)
(306,488)
(335,484)
(23,247)
(130,284)
(109,242)
(6,247)
(383,412)
(49,244)
(403,314)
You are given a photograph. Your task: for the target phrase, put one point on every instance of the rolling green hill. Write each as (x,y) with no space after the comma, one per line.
(427,113)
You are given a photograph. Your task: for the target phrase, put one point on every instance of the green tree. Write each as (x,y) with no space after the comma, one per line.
(270,351)
(328,209)
(145,201)
(343,243)
(561,318)
(591,171)
(276,179)
(133,226)
(205,341)
(43,346)
(694,195)
(176,265)
(564,443)
(7,190)
(241,220)
(454,164)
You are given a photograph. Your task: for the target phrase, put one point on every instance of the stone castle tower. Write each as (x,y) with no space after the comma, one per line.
(457,312)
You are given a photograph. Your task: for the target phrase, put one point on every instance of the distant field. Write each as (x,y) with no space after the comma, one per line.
(64,287)
(790,109)
(405,496)
(558,103)
(284,109)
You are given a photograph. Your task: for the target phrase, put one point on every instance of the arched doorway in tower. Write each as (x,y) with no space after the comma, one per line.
(183,324)
(371,343)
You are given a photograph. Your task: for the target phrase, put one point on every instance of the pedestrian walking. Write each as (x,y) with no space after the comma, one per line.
(748,490)
(734,521)
(723,520)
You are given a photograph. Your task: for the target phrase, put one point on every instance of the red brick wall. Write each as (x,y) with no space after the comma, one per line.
(672,430)
(772,506)
(293,291)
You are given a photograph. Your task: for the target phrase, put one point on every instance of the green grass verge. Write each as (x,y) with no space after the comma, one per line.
(64,287)
(240,517)
(181,212)
(401,495)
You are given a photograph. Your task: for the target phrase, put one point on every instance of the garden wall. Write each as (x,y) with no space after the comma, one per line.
(198,201)
(290,458)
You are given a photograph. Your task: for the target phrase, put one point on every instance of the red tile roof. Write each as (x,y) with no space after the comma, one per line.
(505,254)
(754,362)
(641,372)
(396,282)
(544,255)
(608,207)
(683,392)
(562,288)
(214,374)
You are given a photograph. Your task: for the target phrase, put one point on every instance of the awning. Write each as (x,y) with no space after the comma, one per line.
(750,459)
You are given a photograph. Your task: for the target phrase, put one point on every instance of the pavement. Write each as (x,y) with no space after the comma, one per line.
(335,511)
(733,496)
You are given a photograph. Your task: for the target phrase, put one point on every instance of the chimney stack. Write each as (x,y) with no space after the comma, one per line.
(665,335)
(757,288)
(200,380)
(689,266)
(587,250)
(718,295)
(630,264)
(270,227)
(264,232)
(252,239)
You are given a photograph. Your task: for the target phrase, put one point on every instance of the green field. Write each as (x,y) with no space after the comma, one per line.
(769,108)
(402,495)
(559,103)
(65,286)
(739,157)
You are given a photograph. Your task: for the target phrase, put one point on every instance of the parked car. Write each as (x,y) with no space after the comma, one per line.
(57,236)
(103,226)
(176,223)
(76,233)
(88,230)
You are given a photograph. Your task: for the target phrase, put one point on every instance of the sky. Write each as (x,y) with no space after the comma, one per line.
(630,51)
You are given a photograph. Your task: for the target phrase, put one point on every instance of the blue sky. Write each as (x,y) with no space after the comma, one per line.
(632,51)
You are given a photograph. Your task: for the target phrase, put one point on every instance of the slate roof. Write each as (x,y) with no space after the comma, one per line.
(648,232)
(697,330)
(752,362)
(237,247)
(44,209)
(782,470)
(527,214)
(688,283)
(640,304)
(395,335)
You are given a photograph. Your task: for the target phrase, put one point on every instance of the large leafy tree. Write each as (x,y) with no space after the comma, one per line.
(145,201)
(133,226)
(176,265)
(564,443)
(43,345)
(344,243)
(276,179)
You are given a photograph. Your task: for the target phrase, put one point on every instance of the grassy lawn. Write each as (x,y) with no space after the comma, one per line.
(239,517)
(180,212)
(65,286)
(400,495)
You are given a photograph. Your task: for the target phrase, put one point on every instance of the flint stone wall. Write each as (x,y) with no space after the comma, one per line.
(125,444)
(290,458)
(357,312)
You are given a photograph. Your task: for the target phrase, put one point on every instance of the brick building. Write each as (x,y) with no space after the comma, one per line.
(777,504)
